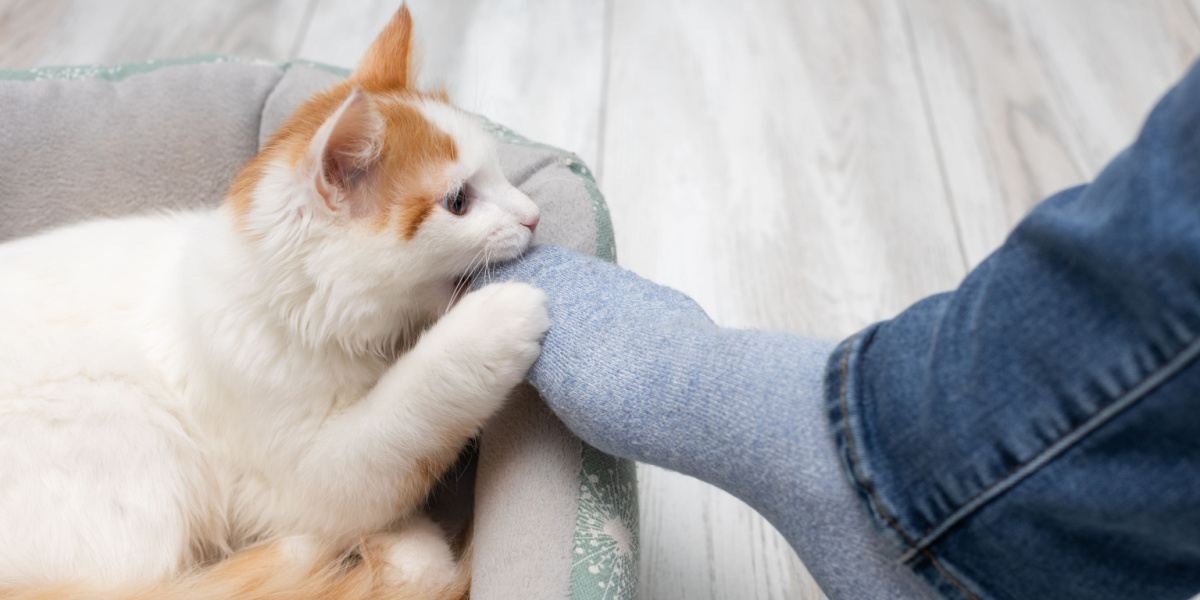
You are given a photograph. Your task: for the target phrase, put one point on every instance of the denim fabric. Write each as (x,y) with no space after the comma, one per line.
(1036,432)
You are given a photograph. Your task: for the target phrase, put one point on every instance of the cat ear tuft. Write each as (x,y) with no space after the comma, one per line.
(345,148)
(388,63)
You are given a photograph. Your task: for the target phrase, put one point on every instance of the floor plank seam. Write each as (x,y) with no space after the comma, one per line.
(302,32)
(935,140)
(1073,138)
(605,73)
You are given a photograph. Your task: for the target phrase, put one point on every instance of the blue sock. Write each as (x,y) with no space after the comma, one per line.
(639,371)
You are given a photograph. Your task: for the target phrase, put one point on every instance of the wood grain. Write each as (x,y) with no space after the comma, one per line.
(699,542)
(1001,133)
(775,164)
(1027,98)
(57,32)
(1106,83)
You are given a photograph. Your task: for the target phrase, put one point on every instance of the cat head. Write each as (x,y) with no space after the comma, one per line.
(376,193)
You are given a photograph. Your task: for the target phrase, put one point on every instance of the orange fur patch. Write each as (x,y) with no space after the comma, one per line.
(411,217)
(413,153)
(268,572)
(388,63)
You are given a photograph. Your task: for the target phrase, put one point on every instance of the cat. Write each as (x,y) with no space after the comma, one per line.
(255,400)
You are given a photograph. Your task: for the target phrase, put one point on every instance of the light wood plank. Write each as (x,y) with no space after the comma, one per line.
(1028,98)
(533,65)
(1105,83)
(37,33)
(699,542)
(1002,136)
(776,165)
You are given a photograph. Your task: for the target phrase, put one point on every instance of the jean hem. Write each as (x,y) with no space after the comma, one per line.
(838,388)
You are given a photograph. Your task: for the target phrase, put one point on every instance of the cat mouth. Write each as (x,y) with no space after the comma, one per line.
(480,273)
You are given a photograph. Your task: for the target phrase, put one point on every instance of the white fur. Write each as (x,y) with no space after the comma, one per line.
(177,385)
(417,554)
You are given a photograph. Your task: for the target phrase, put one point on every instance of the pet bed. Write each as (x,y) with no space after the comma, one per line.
(553,518)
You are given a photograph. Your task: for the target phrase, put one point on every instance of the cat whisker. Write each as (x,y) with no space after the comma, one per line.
(464,281)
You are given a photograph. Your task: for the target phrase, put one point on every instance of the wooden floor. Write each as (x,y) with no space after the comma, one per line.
(797,165)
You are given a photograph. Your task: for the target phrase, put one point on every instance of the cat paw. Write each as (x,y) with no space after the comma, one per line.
(505,323)
(415,557)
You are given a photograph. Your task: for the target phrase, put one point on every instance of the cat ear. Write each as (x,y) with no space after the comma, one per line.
(388,62)
(345,148)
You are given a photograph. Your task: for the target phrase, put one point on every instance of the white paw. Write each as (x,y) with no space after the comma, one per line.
(506,322)
(416,556)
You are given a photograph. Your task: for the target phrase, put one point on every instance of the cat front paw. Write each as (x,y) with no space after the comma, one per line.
(506,323)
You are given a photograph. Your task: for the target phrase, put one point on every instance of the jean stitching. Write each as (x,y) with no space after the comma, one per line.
(852,453)
(951,579)
(1020,472)
(865,484)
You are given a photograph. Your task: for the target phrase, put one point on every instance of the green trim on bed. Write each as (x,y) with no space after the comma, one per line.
(605,547)
(604,559)
(119,72)
(339,71)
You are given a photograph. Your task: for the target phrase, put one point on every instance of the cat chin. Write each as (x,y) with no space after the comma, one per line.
(511,245)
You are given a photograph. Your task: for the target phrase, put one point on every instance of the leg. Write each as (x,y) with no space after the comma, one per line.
(383,455)
(639,371)
(1022,436)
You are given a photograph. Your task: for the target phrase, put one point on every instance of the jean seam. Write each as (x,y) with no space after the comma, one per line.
(1019,473)
(947,576)
(867,488)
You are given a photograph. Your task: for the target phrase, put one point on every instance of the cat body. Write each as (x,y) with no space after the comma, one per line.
(272,379)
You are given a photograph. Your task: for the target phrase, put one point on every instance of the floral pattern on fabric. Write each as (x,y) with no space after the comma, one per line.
(604,559)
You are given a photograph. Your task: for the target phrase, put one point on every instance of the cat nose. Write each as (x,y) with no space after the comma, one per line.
(532,223)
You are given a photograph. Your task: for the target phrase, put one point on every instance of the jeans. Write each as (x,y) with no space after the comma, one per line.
(1036,432)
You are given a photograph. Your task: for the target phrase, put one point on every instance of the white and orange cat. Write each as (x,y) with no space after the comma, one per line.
(221,403)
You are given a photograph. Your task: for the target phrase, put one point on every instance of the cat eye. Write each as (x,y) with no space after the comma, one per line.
(457,201)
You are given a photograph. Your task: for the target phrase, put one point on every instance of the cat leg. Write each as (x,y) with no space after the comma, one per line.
(379,458)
